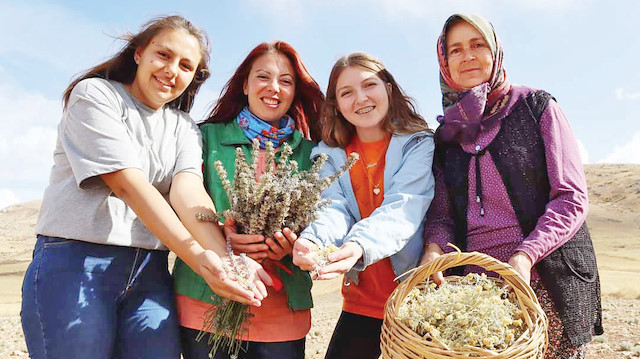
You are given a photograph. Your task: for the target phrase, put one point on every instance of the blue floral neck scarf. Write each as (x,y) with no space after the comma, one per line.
(254,127)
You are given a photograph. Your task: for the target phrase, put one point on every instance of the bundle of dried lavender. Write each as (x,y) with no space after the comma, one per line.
(281,197)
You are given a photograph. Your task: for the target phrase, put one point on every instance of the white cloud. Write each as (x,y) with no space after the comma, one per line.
(279,11)
(584,154)
(51,34)
(27,140)
(627,153)
(438,10)
(622,94)
(7,198)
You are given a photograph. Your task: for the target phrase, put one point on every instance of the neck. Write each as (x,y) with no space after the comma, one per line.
(370,134)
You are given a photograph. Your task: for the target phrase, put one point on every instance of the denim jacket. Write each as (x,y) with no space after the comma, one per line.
(395,228)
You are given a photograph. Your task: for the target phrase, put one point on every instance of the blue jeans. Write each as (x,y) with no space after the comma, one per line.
(86,300)
(193,349)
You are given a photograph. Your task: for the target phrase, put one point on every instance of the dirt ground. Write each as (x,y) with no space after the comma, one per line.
(614,221)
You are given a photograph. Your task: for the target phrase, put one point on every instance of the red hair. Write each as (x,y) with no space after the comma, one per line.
(307,101)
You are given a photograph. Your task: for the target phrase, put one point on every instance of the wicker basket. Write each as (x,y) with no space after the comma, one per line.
(399,341)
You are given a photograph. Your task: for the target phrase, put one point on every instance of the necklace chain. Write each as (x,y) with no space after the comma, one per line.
(365,165)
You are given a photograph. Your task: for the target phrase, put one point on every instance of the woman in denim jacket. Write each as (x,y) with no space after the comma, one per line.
(377,208)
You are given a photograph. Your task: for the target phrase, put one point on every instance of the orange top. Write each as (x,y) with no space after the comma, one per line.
(271,322)
(375,283)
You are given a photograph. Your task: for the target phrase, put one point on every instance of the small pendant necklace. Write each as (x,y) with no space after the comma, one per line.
(366,165)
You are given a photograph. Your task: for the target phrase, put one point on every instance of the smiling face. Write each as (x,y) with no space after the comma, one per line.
(469,57)
(166,67)
(270,86)
(363,100)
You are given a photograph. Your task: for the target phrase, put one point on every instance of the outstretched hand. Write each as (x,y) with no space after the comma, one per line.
(211,270)
(341,261)
(303,254)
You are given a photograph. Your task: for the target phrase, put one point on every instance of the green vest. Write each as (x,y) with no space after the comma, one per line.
(219,143)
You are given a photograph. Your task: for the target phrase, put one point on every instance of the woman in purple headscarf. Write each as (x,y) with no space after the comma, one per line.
(510,183)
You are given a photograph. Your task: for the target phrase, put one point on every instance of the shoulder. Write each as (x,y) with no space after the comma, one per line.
(96,90)
(322,147)
(420,139)
(216,128)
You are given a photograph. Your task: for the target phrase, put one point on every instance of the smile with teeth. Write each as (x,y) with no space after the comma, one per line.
(271,102)
(164,83)
(362,111)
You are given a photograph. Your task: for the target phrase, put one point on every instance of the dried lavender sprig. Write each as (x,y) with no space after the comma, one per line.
(224,178)
(207,217)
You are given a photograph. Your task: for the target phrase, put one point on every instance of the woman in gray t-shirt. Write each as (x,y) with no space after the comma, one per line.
(125,186)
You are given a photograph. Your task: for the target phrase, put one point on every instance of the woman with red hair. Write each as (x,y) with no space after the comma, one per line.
(272,98)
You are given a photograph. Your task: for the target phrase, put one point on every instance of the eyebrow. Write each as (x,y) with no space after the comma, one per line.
(470,40)
(168,49)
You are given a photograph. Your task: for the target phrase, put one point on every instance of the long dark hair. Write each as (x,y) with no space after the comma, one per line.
(307,100)
(402,116)
(122,67)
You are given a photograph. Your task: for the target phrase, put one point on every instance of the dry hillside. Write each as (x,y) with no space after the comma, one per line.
(614,220)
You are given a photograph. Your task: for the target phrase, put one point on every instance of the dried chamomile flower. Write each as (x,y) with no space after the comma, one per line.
(471,311)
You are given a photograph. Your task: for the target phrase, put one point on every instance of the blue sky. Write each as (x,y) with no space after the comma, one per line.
(584,52)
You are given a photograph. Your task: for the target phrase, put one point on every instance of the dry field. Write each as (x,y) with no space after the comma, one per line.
(614,220)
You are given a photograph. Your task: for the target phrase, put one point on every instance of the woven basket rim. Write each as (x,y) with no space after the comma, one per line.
(534,340)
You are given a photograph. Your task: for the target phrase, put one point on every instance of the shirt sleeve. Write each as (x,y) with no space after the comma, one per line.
(390,227)
(568,201)
(189,156)
(439,226)
(93,134)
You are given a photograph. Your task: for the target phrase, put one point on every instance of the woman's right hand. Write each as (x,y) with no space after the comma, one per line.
(432,252)
(303,254)
(252,244)
(211,270)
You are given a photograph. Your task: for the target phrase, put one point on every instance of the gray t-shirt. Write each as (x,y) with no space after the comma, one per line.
(104,129)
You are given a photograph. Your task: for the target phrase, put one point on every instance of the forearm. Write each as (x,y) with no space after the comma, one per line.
(568,205)
(188,198)
(155,213)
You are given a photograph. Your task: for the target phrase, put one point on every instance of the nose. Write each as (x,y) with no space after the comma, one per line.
(171,68)
(468,55)
(361,96)
(273,85)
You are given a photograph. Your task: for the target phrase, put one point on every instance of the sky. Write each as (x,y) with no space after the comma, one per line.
(584,52)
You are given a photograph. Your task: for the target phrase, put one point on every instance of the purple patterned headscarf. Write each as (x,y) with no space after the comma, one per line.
(465,110)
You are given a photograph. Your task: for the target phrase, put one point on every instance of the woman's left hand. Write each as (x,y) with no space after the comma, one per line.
(341,261)
(281,244)
(521,262)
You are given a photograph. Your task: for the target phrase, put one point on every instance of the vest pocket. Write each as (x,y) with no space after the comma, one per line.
(581,260)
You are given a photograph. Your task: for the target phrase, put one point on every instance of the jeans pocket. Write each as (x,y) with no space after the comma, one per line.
(55,241)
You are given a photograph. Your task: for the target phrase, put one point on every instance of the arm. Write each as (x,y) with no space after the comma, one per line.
(400,215)
(333,221)
(155,213)
(568,203)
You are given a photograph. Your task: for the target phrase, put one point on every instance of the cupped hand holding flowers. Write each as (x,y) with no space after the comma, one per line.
(304,254)
(341,261)
(212,271)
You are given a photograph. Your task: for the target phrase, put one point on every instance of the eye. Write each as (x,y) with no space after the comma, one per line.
(287,81)
(344,94)
(186,67)
(478,45)
(163,54)
(370,84)
(262,77)
(454,51)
